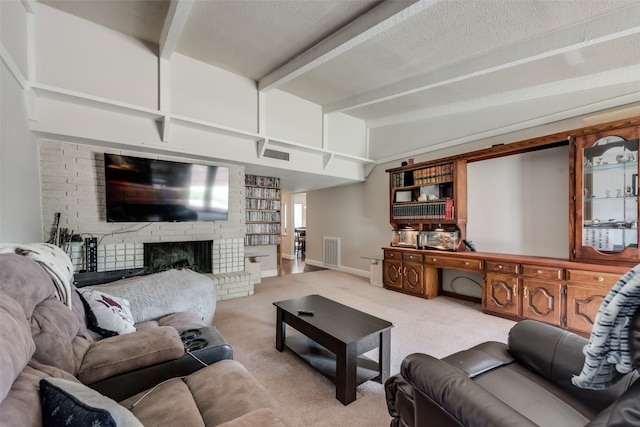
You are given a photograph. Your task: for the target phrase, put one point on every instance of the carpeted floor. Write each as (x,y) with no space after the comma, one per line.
(438,327)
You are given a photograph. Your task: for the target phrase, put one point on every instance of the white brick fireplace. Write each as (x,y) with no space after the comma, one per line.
(72,183)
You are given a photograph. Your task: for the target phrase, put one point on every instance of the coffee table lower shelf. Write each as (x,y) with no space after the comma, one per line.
(324,360)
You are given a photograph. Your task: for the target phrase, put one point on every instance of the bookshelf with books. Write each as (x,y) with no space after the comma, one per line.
(262,210)
(429,196)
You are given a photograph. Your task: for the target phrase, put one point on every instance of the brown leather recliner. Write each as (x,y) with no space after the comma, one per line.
(526,382)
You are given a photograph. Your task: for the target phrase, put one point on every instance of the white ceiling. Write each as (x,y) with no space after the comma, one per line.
(462,69)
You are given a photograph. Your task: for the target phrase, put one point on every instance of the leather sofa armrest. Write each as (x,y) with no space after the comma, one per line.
(481,358)
(123,353)
(556,354)
(399,395)
(445,395)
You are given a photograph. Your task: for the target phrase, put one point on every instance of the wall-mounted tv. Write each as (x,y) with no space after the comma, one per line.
(149,190)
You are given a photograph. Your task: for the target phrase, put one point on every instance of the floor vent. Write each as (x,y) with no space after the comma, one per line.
(275,154)
(331,250)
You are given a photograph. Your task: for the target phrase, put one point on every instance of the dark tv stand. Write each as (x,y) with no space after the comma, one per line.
(101,277)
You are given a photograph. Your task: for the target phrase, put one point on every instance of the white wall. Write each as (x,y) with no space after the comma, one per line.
(347,135)
(20,214)
(77,55)
(211,94)
(13,34)
(292,118)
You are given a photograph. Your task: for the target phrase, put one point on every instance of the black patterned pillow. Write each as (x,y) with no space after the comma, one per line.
(67,403)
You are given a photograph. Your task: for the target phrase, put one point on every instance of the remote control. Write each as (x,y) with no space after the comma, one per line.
(305,312)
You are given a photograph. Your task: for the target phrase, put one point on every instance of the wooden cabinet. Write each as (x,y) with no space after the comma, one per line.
(501,294)
(502,288)
(457,263)
(604,199)
(541,301)
(559,292)
(524,291)
(392,270)
(542,289)
(413,272)
(585,292)
(406,272)
(430,196)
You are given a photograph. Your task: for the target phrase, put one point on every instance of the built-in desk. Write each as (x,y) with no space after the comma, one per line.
(552,290)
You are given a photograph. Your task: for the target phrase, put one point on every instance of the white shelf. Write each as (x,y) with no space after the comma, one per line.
(264,141)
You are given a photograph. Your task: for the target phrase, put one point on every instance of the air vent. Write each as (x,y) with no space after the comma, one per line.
(274,154)
(331,247)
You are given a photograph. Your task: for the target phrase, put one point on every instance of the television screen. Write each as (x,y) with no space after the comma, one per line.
(148,190)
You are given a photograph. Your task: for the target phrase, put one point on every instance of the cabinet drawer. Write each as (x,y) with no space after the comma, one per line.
(408,256)
(455,263)
(592,277)
(550,273)
(393,255)
(502,267)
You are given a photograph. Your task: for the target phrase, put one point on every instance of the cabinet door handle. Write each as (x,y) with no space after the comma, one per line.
(600,279)
(526,293)
(405,272)
(515,290)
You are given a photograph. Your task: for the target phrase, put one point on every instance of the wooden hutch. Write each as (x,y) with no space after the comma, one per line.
(603,229)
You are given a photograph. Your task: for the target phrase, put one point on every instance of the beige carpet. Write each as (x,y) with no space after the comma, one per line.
(438,327)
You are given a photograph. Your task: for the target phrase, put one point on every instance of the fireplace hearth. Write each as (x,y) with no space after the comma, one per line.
(193,255)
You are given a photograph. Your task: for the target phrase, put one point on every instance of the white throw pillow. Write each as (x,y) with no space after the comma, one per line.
(108,315)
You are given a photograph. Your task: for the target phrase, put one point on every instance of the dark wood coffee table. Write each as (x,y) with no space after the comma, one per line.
(333,341)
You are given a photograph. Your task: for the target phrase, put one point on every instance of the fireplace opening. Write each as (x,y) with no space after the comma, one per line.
(193,255)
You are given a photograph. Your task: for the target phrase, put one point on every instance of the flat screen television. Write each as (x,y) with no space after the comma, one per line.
(149,190)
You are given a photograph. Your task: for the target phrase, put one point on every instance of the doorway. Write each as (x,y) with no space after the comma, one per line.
(299,202)
(297,223)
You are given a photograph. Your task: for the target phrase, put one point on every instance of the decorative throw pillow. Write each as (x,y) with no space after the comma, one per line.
(67,403)
(107,315)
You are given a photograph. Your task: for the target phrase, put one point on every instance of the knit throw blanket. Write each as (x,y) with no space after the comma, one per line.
(607,356)
(53,259)
(160,294)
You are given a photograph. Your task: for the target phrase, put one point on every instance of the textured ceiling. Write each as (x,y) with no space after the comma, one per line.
(407,66)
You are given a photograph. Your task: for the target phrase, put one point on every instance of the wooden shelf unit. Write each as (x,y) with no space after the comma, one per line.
(428,196)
